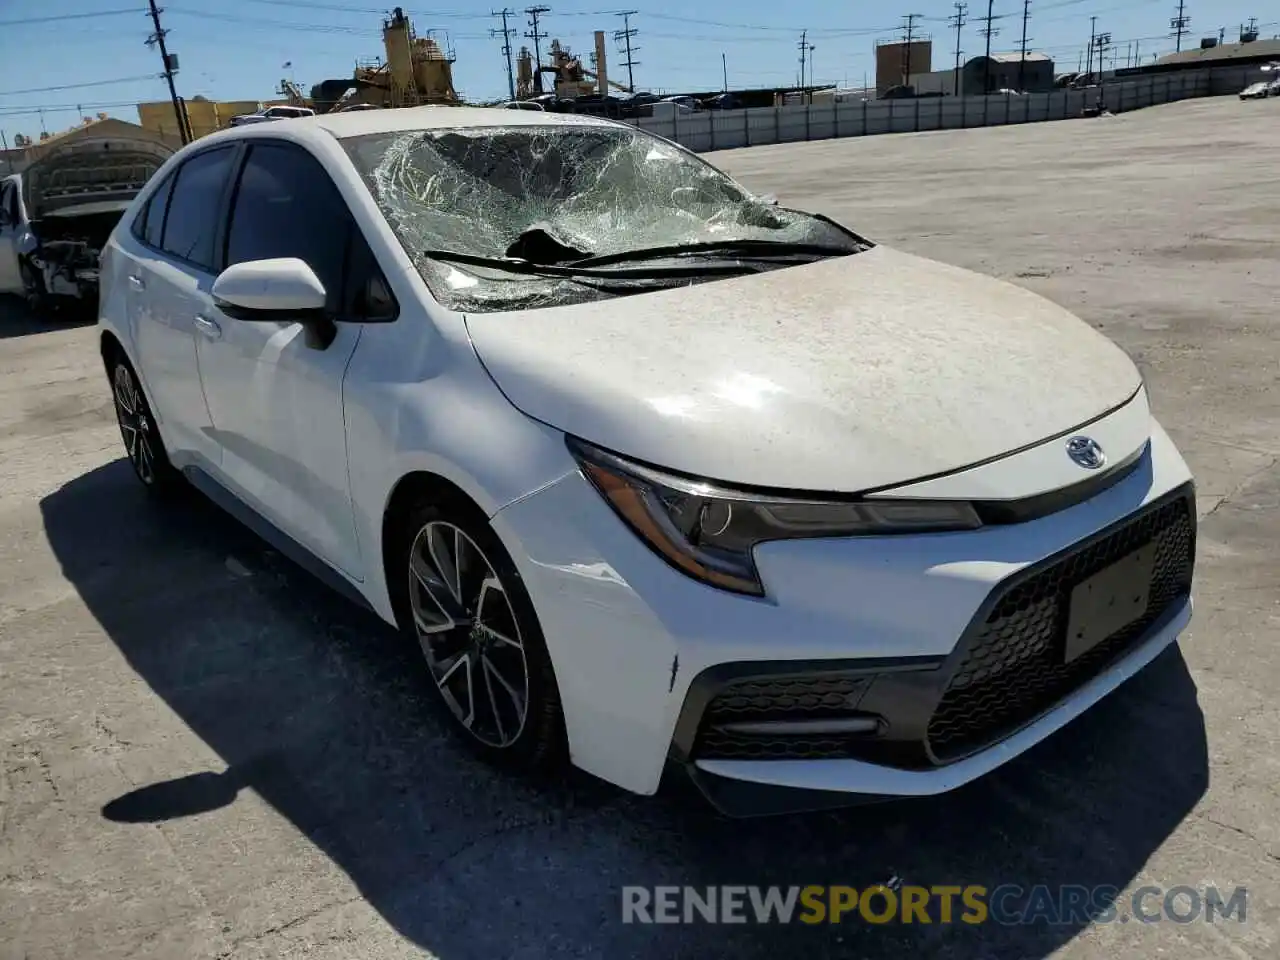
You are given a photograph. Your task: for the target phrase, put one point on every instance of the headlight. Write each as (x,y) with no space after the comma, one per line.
(709,532)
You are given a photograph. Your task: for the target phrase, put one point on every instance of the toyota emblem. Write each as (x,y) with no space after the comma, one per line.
(1086,452)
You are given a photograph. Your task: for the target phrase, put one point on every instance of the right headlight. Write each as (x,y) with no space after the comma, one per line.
(709,531)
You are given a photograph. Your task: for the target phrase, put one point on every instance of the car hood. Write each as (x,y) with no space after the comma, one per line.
(95,172)
(843,375)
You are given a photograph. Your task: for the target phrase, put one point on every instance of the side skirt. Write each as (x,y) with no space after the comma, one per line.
(273,535)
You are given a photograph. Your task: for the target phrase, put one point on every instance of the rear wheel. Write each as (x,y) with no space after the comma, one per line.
(459,596)
(142,443)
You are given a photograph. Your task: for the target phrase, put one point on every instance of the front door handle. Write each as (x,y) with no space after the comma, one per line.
(208,327)
(137,283)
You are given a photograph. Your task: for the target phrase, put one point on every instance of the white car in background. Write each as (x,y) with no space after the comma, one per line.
(280,112)
(683,481)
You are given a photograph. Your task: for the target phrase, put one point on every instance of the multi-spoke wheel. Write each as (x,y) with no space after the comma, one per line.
(142,443)
(464,603)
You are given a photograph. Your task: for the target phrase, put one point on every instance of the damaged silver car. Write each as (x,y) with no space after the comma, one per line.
(56,216)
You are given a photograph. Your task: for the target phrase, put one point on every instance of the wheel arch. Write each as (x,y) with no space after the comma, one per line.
(414,487)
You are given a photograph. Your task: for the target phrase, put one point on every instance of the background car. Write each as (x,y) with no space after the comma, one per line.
(1257,91)
(279,112)
(56,215)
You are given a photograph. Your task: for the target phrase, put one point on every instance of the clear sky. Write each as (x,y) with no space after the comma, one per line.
(235,49)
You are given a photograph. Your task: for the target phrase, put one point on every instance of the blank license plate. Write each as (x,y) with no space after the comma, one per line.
(1109,601)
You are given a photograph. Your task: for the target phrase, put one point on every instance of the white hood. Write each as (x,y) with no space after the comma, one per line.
(843,375)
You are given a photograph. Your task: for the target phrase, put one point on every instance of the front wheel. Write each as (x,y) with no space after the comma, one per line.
(142,443)
(461,599)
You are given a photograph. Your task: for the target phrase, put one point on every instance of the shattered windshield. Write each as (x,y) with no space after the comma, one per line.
(565,194)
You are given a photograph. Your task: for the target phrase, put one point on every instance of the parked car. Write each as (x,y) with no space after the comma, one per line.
(56,215)
(281,112)
(724,101)
(349,108)
(685,103)
(661,474)
(524,105)
(1260,90)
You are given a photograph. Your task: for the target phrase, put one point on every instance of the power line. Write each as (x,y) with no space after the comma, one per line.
(624,38)
(958,21)
(80,86)
(987,32)
(506,33)
(536,36)
(72,16)
(908,28)
(1181,25)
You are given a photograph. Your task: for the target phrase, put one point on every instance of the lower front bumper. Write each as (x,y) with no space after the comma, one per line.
(757,787)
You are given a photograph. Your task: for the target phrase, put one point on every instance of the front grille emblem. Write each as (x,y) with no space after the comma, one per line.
(1086,452)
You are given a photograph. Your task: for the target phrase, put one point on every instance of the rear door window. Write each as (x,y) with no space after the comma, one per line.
(191,226)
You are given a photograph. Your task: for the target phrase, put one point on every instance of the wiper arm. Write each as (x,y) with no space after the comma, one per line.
(584,268)
(728,248)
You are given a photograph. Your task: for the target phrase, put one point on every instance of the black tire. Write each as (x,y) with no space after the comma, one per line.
(142,444)
(538,746)
(39,303)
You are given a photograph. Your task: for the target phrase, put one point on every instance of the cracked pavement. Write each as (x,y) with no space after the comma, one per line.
(204,754)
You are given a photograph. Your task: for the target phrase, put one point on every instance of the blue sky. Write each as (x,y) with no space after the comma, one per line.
(234,49)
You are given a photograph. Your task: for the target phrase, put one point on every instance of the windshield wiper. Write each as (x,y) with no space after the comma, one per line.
(584,268)
(746,248)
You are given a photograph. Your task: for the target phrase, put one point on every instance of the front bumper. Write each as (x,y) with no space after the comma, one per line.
(905,666)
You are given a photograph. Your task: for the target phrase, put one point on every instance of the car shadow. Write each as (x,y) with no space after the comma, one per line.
(323,711)
(17,321)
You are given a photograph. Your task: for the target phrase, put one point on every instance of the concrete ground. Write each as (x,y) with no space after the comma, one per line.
(206,755)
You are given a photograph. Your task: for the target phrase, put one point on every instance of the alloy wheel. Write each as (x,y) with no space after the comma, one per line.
(135,423)
(469,634)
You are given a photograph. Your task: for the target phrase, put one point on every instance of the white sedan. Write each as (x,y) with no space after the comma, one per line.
(660,476)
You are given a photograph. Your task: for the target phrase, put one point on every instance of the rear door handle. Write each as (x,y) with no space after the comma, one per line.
(137,283)
(208,327)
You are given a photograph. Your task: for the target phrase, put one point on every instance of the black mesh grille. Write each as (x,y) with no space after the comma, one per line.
(1013,670)
(784,698)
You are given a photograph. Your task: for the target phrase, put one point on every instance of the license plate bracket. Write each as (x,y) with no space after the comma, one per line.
(1109,601)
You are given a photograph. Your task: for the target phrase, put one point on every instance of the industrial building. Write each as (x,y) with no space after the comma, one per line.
(1248,51)
(1000,71)
(897,61)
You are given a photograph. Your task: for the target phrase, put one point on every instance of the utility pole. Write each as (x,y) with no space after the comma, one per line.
(170,68)
(988,33)
(506,33)
(958,21)
(1093,35)
(1180,25)
(908,28)
(805,48)
(624,37)
(536,36)
(724,70)
(1101,41)
(1022,62)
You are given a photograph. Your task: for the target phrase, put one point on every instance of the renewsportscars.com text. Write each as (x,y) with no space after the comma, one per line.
(1007,904)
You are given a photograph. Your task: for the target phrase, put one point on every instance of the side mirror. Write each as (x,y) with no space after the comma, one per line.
(282,290)
(768,199)
(269,290)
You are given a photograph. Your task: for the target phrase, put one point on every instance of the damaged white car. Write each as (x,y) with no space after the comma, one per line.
(657,475)
(56,216)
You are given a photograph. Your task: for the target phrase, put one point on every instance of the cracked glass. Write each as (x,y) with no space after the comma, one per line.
(588,190)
